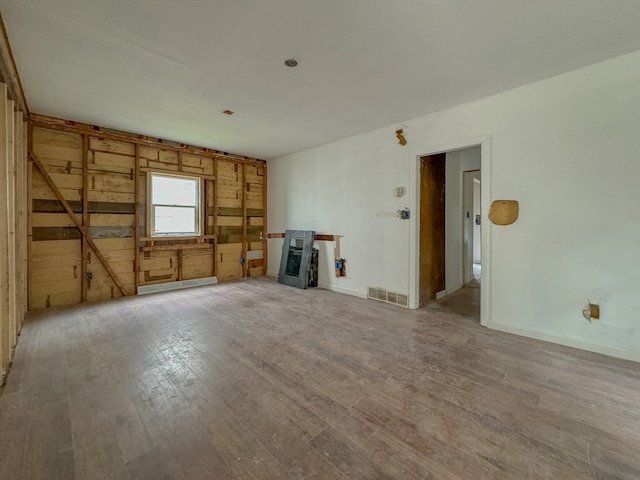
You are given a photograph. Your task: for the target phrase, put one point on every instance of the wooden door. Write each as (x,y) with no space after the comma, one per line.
(432,225)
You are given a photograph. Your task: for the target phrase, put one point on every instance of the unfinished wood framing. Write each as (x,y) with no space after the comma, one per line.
(97,243)
(264,223)
(70,126)
(13,221)
(136,217)
(244,224)
(83,230)
(20,207)
(11,224)
(85,214)
(9,72)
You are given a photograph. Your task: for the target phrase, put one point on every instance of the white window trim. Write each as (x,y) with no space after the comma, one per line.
(151,207)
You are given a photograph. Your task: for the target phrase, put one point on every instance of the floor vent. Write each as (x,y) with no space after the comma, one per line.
(384,295)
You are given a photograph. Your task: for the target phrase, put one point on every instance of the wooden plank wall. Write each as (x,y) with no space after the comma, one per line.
(13,227)
(104,179)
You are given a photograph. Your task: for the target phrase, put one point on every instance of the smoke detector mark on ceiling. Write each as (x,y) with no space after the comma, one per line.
(227,112)
(291,62)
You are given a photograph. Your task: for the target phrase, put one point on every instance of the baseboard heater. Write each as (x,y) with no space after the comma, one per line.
(165,287)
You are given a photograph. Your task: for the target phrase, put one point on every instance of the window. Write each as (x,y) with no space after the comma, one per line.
(175,204)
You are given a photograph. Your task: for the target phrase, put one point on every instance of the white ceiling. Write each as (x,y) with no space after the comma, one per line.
(168,68)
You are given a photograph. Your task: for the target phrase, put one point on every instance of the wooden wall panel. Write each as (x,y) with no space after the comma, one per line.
(11,224)
(108,198)
(47,261)
(5,342)
(13,236)
(21,218)
(197,264)
(55,264)
(255,205)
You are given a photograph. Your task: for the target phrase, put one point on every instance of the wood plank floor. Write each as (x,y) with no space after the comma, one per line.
(255,380)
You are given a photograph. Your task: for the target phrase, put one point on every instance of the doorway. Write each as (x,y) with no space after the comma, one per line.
(449,225)
(484,142)
(432,226)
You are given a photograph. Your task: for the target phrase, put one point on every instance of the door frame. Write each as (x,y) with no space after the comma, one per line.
(484,143)
(471,219)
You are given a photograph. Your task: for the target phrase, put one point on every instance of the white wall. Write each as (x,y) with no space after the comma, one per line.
(567,148)
(339,189)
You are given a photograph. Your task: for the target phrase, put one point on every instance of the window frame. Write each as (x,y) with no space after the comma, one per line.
(152,206)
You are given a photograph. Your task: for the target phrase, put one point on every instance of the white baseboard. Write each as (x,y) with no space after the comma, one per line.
(165,287)
(346,291)
(633,355)
(333,288)
(443,293)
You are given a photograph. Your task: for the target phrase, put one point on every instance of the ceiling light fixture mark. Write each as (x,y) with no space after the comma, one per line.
(291,62)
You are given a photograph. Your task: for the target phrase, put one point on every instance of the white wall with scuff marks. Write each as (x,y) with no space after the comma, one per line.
(567,148)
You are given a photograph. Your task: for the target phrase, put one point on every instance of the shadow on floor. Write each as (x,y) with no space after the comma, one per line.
(464,302)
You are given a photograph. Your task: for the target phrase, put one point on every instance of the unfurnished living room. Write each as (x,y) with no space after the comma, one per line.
(337,239)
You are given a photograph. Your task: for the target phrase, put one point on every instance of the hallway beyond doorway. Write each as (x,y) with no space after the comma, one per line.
(464,302)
